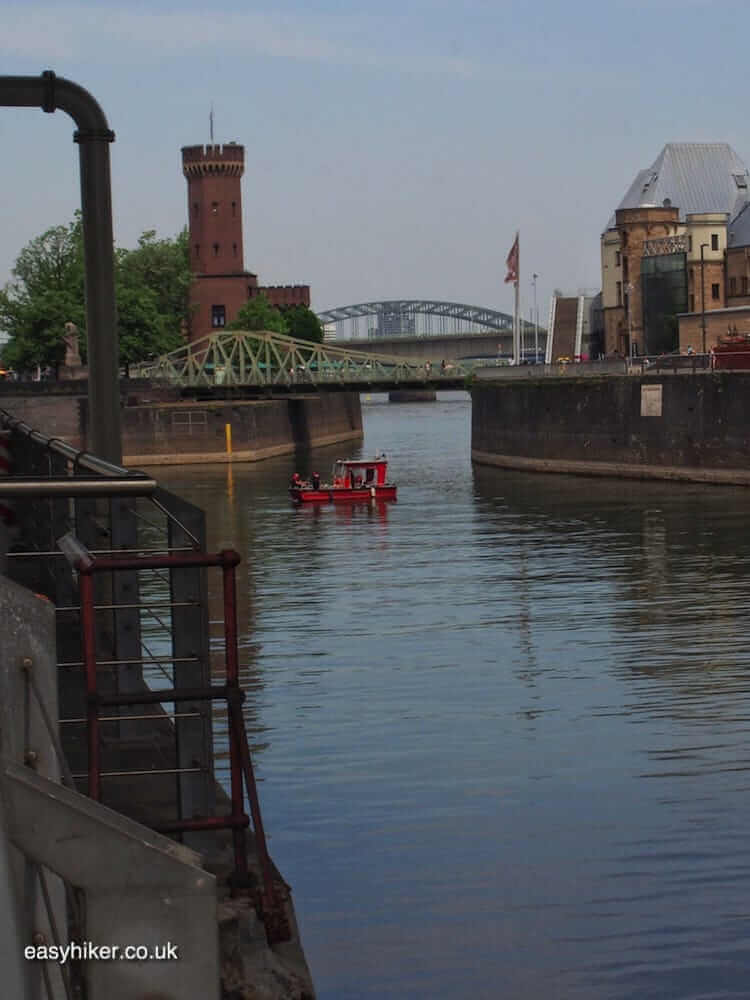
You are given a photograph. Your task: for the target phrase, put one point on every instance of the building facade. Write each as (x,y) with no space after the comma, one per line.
(672,248)
(221,285)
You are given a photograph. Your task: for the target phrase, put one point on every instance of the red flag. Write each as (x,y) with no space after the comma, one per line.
(511,263)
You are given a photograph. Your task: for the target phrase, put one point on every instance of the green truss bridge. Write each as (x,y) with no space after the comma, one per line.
(273,360)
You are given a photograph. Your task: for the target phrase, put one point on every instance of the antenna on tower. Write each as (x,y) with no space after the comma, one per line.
(211,124)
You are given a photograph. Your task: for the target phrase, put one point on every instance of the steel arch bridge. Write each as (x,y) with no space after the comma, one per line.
(273,359)
(390,313)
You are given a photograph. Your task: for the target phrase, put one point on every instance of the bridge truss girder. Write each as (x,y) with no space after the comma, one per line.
(477,315)
(273,359)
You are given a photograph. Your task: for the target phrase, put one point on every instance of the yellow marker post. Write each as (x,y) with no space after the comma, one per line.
(228,434)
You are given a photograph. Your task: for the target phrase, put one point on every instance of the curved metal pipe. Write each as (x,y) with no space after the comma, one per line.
(50,92)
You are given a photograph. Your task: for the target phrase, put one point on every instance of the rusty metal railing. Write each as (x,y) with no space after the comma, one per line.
(134,653)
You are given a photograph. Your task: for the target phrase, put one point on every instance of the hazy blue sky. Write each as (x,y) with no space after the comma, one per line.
(392,149)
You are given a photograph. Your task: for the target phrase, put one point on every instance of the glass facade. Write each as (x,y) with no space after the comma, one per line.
(665,294)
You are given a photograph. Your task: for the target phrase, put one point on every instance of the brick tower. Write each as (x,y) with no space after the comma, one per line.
(220,283)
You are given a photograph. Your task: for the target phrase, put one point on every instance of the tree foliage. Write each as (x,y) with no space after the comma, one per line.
(259,314)
(45,293)
(304,324)
(152,284)
(296,321)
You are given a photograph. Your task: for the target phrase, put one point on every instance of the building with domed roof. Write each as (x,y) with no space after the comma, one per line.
(677,245)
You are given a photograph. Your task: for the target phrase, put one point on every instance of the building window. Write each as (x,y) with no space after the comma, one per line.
(234,249)
(690,244)
(714,241)
(691,306)
(195,208)
(715,292)
(234,208)
(218,316)
(197,249)
(691,278)
(617,258)
(619,293)
(216,249)
(744,284)
(625,269)
(214,208)
(732,286)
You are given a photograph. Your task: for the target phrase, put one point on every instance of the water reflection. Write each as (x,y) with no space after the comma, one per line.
(503,722)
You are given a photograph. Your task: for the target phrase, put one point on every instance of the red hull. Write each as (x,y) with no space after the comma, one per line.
(342,494)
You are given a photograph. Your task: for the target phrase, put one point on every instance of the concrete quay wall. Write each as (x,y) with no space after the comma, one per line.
(680,427)
(160,428)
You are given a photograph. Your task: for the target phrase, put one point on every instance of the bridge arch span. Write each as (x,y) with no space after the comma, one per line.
(398,316)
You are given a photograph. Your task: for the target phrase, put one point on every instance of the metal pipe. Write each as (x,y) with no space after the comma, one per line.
(205,823)
(67,486)
(177,560)
(93,136)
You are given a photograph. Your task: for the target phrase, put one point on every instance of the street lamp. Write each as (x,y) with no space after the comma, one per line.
(536,321)
(703,304)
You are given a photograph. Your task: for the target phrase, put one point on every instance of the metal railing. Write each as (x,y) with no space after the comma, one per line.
(135,656)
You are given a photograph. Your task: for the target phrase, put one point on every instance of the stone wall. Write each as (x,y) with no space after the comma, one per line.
(682,426)
(158,428)
(189,432)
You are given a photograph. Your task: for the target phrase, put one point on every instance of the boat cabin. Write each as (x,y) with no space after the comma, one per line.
(360,473)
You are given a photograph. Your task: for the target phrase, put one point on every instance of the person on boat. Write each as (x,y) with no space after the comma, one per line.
(316,480)
(296,481)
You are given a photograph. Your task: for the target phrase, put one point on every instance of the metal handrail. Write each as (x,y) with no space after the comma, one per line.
(80,459)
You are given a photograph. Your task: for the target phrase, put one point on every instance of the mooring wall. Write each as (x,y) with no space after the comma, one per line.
(159,428)
(681,426)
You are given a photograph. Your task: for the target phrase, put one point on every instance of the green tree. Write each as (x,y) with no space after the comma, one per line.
(152,284)
(259,314)
(304,324)
(45,293)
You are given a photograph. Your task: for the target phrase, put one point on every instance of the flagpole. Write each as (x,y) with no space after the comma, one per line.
(516,312)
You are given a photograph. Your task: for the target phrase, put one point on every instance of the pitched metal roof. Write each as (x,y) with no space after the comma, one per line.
(695,177)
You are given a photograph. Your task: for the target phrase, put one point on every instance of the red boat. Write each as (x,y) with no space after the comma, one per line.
(352,480)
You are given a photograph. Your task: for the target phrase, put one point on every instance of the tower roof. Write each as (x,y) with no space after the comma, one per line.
(694,177)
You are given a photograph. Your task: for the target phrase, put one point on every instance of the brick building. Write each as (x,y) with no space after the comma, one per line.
(677,245)
(221,285)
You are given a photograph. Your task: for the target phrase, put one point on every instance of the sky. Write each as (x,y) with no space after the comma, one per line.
(392,149)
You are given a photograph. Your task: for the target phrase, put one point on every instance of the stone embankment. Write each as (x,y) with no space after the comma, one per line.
(159,427)
(678,427)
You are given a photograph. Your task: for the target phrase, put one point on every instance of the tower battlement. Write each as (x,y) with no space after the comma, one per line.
(202,161)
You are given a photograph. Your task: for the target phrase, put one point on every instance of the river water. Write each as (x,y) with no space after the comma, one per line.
(502,726)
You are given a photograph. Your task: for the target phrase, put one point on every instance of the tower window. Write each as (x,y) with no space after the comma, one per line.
(234,249)
(215,207)
(197,249)
(216,249)
(195,208)
(218,316)
(234,208)
(715,292)
(714,241)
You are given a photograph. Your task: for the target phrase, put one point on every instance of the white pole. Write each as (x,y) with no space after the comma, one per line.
(536,323)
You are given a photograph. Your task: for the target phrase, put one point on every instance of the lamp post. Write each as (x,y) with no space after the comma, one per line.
(703,304)
(536,321)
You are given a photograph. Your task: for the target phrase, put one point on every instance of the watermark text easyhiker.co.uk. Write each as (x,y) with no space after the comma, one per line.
(88,951)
